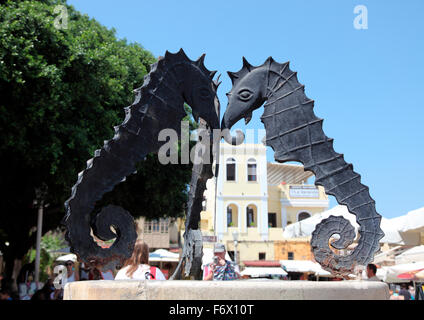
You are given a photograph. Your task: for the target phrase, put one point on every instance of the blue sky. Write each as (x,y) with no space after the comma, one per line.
(367,84)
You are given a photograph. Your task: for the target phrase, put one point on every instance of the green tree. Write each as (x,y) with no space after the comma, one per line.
(51,242)
(61,92)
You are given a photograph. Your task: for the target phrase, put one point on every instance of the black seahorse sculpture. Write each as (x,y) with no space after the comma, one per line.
(295,134)
(159,104)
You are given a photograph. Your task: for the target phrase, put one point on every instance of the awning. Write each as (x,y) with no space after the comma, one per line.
(390,274)
(304,266)
(305,227)
(286,172)
(263,271)
(164,255)
(415,254)
(404,230)
(413,221)
(68,257)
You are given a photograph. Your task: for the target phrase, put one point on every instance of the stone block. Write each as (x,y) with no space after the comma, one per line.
(225,290)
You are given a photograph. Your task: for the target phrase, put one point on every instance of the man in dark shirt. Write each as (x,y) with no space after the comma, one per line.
(405,292)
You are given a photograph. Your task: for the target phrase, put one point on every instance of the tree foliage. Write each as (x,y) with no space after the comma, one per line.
(61,93)
(51,242)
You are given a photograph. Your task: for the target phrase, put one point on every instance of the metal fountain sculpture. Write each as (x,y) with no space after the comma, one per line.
(292,130)
(295,134)
(159,104)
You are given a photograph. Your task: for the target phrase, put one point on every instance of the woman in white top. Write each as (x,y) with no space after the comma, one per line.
(137,267)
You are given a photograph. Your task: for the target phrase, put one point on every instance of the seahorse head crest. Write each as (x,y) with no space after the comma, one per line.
(248,93)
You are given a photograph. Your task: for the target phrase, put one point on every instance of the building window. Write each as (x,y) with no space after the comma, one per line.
(262,255)
(272,220)
(231,169)
(290,256)
(155,226)
(303,216)
(164,224)
(251,170)
(229,216)
(147,227)
(250,215)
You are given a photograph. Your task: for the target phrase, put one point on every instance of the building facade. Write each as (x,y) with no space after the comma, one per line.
(158,234)
(253,200)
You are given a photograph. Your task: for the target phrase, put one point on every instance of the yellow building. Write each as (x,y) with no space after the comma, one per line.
(256,200)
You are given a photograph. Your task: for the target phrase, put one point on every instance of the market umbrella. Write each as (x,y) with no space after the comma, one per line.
(68,257)
(263,271)
(164,255)
(415,254)
(404,230)
(304,228)
(416,275)
(393,272)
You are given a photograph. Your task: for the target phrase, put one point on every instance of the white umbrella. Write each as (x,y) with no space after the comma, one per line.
(304,266)
(415,254)
(413,221)
(404,230)
(392,228)
(68,257)
(391,273)
(391,233)
(263,271)
(163,255)
(305,227)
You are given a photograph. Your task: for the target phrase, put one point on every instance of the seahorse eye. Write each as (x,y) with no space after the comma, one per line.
(245,94)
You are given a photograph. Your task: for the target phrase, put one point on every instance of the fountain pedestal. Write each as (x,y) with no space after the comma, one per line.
(225,290)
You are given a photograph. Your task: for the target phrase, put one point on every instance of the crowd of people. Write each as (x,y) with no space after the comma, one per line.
(137,267)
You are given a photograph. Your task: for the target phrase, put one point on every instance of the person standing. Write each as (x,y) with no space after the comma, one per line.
(137,266)
(405,292)
(71,276)
(27,288)
(371,272)
(220,269)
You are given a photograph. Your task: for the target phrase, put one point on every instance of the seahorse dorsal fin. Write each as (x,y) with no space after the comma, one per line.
(246,64)
(233,76)
(201,59)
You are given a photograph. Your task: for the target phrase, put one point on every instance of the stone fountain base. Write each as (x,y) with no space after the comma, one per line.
(225,290)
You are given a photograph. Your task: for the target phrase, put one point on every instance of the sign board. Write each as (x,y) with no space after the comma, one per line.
(304,192)
(209,238)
